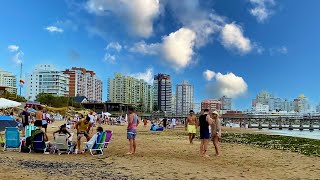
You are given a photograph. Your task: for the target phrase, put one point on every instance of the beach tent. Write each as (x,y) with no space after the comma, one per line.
(7,121)
(6,103)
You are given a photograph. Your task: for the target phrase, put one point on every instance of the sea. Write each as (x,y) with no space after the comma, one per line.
(315,134)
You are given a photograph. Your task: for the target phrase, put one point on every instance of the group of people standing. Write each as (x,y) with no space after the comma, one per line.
(210,128)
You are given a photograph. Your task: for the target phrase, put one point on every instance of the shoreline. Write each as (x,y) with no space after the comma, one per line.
(166,155)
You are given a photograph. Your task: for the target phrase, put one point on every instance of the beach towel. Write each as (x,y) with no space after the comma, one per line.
(98,141)
(102,140)
(91,142)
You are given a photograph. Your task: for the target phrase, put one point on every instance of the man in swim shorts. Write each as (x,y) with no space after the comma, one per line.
(191,126)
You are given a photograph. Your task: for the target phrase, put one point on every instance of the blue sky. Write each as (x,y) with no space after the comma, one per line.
(231,47)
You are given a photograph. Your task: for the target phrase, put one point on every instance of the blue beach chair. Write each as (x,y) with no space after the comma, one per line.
(38,144)
(12,138)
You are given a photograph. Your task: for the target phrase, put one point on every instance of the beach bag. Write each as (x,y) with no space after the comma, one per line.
(25,149)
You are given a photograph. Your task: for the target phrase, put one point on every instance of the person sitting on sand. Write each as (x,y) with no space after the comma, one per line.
(133,123)
(83,129)
(216,132)
(204,122)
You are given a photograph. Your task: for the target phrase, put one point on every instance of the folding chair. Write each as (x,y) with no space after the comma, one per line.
(61,144)
(38,143)
(28,130)
(12,138)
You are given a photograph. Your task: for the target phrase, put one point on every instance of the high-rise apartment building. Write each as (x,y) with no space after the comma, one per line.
(129,90)
(163,93)
(174,105)
(9,80)
(226,103)
(184,98)
(299,104)
(84,83)
(45,78)
(211,104)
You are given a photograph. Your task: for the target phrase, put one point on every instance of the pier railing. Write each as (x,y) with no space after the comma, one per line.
(290,122)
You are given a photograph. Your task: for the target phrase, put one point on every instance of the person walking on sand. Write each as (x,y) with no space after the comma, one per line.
(191,126)
(133,123)
(216,132)
(203,123)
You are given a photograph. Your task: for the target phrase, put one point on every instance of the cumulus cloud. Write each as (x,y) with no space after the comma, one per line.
(208,74)
(261,9)
(13,48)
(228,85)
(54,29)
(137,14)
(109,58)
(146,76)
(202,21)
(178,47)
(114,45)
(146,49)
(233,38)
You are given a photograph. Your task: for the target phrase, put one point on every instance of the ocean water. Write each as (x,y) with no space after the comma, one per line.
(315,134)
(295,133)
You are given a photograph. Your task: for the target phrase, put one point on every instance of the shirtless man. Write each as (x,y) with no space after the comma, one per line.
(191,125)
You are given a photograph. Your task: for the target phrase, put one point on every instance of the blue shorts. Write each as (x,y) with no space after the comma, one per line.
(131,134)
(204,134)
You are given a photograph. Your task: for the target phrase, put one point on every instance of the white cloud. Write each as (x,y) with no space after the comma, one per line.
(208,74)
(109,58)
(114,45)
(146,76)
(54,29)
(17,58)
(262,9)
(13,48)
(147,49)
(204,22)
(278,50)
(178,47)
(283,50)
(228,85)
(233,38)
(137,14)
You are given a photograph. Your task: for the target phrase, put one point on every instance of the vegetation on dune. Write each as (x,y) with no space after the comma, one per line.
(56,101)
(13,97)
(310,147)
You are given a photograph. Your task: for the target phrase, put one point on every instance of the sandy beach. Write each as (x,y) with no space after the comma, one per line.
(161,155)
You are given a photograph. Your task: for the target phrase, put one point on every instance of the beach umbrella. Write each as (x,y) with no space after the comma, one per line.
(6,103)
(107,114)
(7,121)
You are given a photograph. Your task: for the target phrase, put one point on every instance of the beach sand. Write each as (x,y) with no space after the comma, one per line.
(161,155)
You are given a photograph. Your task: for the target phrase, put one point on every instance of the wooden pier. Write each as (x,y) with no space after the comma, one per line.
(270,121)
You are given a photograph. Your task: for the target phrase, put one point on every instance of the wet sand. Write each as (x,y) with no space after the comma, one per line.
(161,155)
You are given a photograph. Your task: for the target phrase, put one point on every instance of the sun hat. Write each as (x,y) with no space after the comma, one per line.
(215,112)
